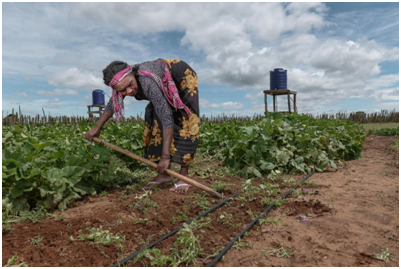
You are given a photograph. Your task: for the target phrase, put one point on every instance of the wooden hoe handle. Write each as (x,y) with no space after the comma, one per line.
(154,165)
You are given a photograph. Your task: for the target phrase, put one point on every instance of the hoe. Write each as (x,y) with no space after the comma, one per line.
(154,165)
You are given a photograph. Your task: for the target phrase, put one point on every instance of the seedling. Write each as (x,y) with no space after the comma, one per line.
(179,215)
(385,255)
(295,194)
(238,245)
(12,262)
(144,205)
(61,217)
(186,249)
(164,231)
(35,215)
(141,221)
(289,180)
(99,236)
(37,240)
(226,219)
(219,186)
(273,221)
(201,201)
(279,252)
(103,193)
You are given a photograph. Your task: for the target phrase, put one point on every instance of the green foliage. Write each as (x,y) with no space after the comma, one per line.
(12,262)
(385,131)
(52,166)
(144,205)
(141,221)
(99,236)
(185,251)
(279,252)
(385,255)
(37,240)
(280,144)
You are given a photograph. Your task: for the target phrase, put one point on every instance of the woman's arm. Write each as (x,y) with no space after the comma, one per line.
(95,131)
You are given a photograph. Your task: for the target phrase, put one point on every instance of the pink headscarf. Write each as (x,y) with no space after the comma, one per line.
(117,97)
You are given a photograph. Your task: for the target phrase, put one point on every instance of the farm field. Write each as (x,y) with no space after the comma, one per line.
(356,208)
(343,217)
(375,126)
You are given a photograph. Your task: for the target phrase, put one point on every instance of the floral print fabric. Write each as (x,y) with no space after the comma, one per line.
(186,128)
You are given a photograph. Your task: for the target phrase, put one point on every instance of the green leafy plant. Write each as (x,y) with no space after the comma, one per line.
(280,144)
(201,201)
(279,251)
(385,255)
(220,186)
(144,205)
(226,219)
(185,251)
(37,240)
(99,236)
(12,262)
(239,244)
(141,221)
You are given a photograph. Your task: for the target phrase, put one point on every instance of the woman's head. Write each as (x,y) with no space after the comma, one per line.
(112,69)
(118,75)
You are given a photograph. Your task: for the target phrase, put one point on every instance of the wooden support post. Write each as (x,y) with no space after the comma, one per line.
(274,102)
(289,103)
(295,103)
(265,104)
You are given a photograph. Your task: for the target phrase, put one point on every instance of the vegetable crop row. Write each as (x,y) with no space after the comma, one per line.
(52,166)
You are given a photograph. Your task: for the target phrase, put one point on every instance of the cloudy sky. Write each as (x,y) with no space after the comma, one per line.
(339,57)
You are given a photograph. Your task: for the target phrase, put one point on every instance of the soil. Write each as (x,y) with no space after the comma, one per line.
(353,214)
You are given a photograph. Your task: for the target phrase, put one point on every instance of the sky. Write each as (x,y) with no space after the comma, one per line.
(339,56)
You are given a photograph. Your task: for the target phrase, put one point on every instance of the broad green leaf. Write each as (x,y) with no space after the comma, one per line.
(73,171)
(16,192)
(41,146)
(53,175)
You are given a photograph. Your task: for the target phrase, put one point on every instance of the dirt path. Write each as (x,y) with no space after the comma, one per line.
(356,215)
(363,199)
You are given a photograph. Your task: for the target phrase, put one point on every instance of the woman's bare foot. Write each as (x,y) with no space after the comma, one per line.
(157,180)
(180,187)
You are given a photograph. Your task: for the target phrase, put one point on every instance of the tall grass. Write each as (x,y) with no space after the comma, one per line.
(383,116)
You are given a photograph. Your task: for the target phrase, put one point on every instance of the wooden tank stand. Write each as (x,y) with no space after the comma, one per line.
(274,93)
(100,110)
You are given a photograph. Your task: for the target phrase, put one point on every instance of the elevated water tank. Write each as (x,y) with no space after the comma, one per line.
(98,97)
(278,79)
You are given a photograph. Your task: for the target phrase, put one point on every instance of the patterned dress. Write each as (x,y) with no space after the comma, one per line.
(160,114)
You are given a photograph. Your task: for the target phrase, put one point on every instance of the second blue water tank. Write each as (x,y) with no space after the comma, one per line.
(98,97)
(278,79)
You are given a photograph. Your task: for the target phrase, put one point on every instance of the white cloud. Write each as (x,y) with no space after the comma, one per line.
(75,78)
(23,94)
(58,92)
(328,58)
(204,104)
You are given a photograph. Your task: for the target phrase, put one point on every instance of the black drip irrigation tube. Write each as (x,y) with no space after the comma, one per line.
(122,262)
(253,222)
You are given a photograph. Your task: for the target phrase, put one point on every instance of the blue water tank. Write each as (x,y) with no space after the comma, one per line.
(278,79)
(98,97)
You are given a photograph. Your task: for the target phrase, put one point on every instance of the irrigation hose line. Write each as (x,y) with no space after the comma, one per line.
(253,222)
(122,262)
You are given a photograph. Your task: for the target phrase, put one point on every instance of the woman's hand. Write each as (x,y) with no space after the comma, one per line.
(163,165)
(89,135)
